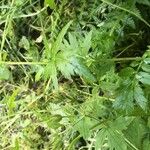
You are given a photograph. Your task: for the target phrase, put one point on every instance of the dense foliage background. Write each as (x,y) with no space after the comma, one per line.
(74,75)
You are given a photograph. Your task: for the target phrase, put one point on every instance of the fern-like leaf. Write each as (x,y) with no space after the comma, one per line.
(145,2)
(112,132)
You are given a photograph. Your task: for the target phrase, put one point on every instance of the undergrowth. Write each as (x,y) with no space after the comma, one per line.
(74,75)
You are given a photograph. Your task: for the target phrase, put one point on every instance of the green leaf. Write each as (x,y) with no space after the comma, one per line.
(127,72)
(50,71)
(67,59)
(66,69)
(50,3)
(73,143)
(100,138)
(135,132)
(64,65)
(100,69)
(116,140)
(145,2)
(68,64)
(112,134)
(4,73)
(144,77)
(83,126)
(82,70)
(56,45)
(39,72)
(52,121)
(147,60)
(146,144)
(16,145)
(122,123)
(86,44)
(73,41)
(125,96)
(54,77)
(139,97)
(128,92)
(11,101)
(146,68)
(24,43)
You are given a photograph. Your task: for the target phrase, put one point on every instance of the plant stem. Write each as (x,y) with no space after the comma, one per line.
(45,63)
(22,63)
(126,59)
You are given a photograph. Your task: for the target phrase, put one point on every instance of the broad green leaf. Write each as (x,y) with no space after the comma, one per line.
(4,73)
(50,3)
(139,97)
(144,77)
